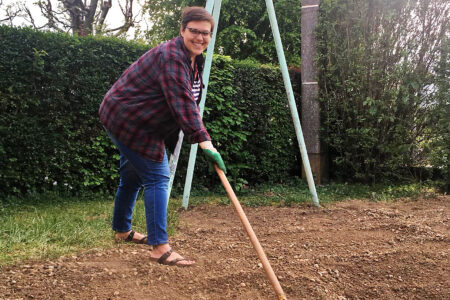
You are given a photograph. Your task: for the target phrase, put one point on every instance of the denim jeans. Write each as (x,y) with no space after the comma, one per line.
(135,172)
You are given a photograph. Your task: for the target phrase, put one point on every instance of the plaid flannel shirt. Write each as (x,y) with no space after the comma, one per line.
(153,99)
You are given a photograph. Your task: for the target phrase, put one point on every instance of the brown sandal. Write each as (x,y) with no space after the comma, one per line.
(130,239)
(175,262)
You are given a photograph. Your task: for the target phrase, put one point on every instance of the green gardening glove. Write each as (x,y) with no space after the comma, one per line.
(215,158)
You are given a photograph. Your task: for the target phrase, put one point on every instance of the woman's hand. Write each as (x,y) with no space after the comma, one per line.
(207,145)
(213,155)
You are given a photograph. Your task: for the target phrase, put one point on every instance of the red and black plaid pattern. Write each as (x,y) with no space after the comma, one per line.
(153,99)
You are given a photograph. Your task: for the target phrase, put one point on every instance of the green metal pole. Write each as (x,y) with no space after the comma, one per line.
(206,72)
(292,105)
(173,162)
(209,5)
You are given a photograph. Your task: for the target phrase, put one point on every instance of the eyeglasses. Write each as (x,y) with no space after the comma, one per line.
(196,32)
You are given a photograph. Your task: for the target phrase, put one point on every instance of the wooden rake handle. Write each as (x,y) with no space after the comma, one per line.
(251,234)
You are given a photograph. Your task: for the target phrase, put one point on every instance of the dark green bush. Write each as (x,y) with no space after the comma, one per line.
(50,89)
(51,86)
(379,86)
(439,145)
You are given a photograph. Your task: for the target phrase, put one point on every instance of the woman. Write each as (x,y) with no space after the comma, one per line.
(142,112)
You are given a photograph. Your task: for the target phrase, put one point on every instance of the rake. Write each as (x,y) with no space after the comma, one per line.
(251,234)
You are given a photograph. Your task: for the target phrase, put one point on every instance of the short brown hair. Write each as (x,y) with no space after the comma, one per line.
(195,13)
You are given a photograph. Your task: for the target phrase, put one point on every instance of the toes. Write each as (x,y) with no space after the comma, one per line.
(174,259)
(179,260)
(186,262)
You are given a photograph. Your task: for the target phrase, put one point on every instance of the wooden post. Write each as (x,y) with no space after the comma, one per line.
(317,152)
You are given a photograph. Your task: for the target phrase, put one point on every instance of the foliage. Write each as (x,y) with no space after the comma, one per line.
(243,31)
(249,123)
(50,89)
(377,83)
(51,86)
(79,17)
(272,143)
(440,142)
(226,118)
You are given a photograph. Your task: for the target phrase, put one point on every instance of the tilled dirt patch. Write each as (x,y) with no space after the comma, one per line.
(347,250)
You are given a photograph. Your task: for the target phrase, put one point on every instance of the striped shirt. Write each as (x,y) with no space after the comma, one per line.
(196,89)
(153,99)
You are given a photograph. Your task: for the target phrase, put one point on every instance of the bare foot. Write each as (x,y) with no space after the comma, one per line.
(174,257)
(137,238)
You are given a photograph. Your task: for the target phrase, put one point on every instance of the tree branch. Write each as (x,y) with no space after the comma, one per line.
(10,14)
(105,6)
(89,18)
(127,12)
(77,12)
(50,14)
(27,10)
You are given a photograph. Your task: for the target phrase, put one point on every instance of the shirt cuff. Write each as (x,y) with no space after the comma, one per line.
(198,137)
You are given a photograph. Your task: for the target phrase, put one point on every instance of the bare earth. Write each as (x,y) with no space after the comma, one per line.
(347,250)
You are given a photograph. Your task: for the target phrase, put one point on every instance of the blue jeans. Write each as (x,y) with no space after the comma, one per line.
(135,172)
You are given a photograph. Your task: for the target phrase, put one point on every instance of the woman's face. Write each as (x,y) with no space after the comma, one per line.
(196,36)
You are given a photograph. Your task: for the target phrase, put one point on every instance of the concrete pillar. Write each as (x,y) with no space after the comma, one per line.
(310,114)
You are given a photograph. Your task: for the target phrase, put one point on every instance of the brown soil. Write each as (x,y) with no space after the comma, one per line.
(348,250)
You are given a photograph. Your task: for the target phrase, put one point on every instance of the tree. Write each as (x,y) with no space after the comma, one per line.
(77,16)
(11,11)
(439,147)
(244,30)
(378,83)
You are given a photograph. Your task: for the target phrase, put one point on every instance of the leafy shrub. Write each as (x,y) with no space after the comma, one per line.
(378,85)
(439,145)
(51,86)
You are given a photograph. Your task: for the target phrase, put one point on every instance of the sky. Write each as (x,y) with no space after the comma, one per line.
(113,19)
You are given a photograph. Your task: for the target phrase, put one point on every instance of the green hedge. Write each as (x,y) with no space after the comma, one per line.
(51,86)
(383,87)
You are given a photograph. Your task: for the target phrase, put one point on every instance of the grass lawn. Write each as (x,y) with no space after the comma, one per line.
(51,225)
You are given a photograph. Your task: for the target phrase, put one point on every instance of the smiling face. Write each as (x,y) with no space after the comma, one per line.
(196,37)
